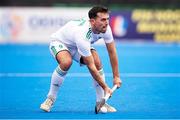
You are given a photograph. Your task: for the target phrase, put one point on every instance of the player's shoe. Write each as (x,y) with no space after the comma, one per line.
(106,108)
(47,104)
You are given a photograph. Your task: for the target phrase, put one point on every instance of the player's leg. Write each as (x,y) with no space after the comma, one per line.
(64,62)
(63,57)
(99,90)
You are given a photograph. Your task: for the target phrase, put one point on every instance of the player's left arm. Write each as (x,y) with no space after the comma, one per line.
(111,48)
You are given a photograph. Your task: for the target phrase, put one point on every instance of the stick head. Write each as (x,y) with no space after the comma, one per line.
(99,105)
(103,101)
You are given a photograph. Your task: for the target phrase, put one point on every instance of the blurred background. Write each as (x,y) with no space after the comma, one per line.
(147,20)
(147,33)
(109,3)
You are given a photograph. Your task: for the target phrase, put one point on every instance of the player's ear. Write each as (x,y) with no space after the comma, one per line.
(92,21)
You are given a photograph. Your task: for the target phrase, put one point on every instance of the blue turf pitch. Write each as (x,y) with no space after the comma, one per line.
(150,74)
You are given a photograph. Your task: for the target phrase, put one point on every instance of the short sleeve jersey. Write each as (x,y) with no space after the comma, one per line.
(78,33)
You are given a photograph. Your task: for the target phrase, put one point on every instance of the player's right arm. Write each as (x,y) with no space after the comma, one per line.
(89,62)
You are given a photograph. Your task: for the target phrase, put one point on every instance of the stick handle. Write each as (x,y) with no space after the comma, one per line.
(108,95)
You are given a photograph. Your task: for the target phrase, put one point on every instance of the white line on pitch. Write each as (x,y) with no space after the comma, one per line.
(88,75)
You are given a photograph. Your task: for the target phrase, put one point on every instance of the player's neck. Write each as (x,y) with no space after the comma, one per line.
(95,31)
(93,28)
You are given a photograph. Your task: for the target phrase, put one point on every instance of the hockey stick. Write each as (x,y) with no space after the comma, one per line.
(103,101)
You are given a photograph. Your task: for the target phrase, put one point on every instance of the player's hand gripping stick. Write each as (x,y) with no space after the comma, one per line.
(103,101)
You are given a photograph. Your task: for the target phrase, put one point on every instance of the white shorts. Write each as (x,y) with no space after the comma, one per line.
(56,46)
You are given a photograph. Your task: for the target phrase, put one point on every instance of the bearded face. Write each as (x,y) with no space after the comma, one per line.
(100,23)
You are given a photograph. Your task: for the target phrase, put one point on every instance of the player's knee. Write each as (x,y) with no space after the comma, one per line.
(66,64)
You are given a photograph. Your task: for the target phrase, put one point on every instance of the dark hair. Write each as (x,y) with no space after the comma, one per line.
(93,11)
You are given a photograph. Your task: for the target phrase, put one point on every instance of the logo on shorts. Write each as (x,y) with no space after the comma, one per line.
(61,46)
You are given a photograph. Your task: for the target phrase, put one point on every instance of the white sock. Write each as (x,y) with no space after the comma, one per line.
(56,81)
(99,89)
